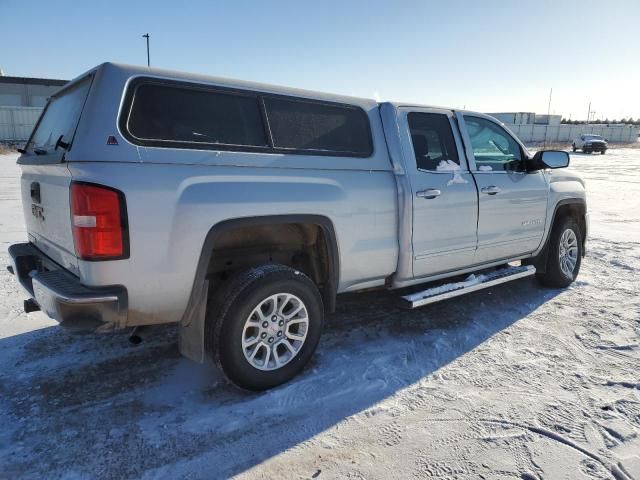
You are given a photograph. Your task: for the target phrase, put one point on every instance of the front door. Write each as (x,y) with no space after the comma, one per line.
(512,203)
(443,192)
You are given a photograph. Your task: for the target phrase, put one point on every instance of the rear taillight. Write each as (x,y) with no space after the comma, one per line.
(99,221)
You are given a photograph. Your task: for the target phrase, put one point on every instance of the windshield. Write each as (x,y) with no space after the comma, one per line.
(592,137)
(59,119)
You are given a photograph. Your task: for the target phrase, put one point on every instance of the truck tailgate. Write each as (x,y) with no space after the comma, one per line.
(45,200)
(46,177)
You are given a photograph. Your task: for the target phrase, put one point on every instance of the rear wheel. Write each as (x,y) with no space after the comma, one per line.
(263,325)
(564,255)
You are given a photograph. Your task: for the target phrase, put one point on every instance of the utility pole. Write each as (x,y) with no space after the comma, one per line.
(146,35)
(546,130)
(589,113)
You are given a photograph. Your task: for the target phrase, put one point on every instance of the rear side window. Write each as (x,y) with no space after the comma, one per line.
(432,140)
(311,126)
(161,113)
(60,118)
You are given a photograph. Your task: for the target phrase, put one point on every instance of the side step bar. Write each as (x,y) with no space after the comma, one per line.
(472,283)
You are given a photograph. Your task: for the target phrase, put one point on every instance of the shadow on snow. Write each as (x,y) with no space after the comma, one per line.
(95,405)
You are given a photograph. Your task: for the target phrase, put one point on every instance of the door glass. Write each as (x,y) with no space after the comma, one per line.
(493,148)
(433,143)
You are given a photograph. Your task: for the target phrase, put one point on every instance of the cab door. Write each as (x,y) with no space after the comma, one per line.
(443,192)
(512,203)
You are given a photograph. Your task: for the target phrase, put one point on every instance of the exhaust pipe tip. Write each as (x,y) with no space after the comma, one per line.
(134,336)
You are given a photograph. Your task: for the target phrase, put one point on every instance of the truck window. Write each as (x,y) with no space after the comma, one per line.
(59,118)
(185,115)
(493,148)
(297,124)
(432,140)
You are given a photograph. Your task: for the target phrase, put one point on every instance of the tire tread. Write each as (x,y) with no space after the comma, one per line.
(231,293)
(553,276)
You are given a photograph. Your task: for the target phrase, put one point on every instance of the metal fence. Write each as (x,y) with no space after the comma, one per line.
(16,123)
(566,133)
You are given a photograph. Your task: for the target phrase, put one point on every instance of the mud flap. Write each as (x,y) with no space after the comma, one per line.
(191,327)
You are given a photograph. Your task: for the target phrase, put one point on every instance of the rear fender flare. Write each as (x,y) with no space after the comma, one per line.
(191,326)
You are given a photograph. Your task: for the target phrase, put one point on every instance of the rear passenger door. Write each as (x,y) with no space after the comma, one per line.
(512,203)
(443,192)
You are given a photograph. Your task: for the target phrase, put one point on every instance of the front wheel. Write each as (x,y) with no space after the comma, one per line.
(602,152)
(263,325)
(564,255)
(574,147)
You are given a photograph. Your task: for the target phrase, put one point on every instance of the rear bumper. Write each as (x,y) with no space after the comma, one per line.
(62,297)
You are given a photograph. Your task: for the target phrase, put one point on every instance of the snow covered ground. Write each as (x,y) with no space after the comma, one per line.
(512,382)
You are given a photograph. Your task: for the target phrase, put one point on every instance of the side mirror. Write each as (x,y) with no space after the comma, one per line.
(550,159)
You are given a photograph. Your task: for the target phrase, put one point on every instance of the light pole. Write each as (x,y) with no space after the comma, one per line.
(146,35)
(546,130)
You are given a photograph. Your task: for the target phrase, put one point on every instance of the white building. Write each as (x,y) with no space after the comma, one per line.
(527,118)
(540,128)
(27,92)
(21,102)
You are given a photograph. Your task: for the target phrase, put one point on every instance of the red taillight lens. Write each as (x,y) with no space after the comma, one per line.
(98,216)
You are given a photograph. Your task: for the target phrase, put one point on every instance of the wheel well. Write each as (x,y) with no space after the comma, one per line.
(300,245)
(575,210)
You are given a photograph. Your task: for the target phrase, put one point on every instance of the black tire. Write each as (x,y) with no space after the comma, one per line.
(602,152)
(554,276)
(232,304)
(574,147)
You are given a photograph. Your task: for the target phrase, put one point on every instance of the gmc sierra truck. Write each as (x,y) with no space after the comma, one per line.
(239,211)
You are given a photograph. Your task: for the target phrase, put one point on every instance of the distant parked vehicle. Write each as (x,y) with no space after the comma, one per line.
(590,143)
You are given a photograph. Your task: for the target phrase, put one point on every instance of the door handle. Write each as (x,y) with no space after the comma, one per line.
(490,190)
(428,193)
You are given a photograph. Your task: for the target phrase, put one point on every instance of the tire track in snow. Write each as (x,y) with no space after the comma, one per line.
(612,468)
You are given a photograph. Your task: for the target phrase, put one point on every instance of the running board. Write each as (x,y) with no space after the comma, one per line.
(472,283)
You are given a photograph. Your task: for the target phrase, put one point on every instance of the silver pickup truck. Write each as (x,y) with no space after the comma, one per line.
(239,211)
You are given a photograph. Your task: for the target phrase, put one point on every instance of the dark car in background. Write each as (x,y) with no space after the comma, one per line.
(590,144)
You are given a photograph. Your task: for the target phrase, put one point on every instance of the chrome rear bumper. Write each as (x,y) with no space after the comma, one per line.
(62,297)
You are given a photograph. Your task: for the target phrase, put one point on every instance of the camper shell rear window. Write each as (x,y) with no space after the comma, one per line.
(184,115)
(57,124)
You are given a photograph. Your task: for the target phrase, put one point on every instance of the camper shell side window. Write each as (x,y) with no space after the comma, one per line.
(172,114)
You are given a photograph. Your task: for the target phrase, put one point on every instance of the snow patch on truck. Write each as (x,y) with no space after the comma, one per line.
(447,287)
(454,168)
